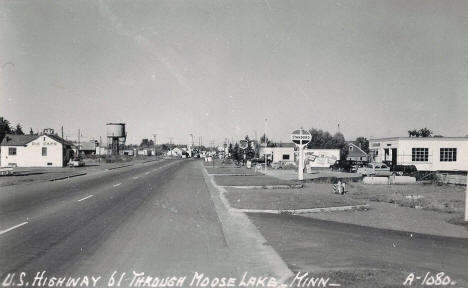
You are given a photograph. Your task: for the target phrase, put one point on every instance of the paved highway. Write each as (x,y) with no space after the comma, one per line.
(164,219)
(155,218)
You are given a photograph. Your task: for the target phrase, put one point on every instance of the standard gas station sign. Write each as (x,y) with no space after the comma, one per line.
(243,144)
(301,137)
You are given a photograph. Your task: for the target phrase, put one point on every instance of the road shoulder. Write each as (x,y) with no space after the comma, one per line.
(248,246)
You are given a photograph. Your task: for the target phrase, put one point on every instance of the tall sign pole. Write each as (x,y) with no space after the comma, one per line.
(466,203)
(266,145)
(466,197)
(301,138)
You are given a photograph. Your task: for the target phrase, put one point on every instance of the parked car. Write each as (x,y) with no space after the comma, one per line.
(375,169)
(404,169)
(344,166)
(76,162)
(6,171)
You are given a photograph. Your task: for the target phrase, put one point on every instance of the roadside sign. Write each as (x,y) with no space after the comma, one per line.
(243,144)
(301,137)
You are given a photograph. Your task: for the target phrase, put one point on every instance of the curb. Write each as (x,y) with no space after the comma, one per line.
(107,169)
(251,243)
(220,174)
(304,211)
(67,177)
(292,186)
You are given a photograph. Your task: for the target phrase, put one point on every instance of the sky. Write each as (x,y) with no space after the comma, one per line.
(218,69)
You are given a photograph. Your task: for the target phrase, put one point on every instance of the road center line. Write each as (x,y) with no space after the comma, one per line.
(136,177)
(118,184)
(85,198)
(14,227)
(147,173)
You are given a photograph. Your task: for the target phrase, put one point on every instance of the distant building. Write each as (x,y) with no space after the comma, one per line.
(426,153)
(355,153)
(283,152)
(176,152)
(88,148)
(35,151)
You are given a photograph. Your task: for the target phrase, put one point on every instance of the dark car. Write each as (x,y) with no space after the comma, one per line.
(344,166)
(408,170)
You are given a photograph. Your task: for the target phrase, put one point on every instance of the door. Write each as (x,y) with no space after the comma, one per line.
(394,156)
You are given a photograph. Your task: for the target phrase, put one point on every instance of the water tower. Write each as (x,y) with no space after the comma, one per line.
(116,136)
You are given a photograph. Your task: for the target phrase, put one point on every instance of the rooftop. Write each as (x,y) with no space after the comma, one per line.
(421,139)
(21,140)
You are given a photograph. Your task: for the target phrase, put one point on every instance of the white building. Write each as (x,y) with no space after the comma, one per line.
(426,153)
(176,152)
(34,151)
(284,154)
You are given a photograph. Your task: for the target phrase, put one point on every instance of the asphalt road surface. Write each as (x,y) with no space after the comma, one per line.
(359,256)
(156,218)
(159,219)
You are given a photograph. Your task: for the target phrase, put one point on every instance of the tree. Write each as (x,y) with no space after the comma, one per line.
(249,151)
(5,128)
(269,142)
(235,154)
(413,133)
(363,143)
(324,140)
(19,129)
(145,143)
(423,132)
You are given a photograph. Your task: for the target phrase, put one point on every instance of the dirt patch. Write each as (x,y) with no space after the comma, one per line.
(446,198)
(285,199)
(441,198)
(259,180)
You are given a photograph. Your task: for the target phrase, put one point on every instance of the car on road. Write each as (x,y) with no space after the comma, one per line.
(76,162)
(375,169)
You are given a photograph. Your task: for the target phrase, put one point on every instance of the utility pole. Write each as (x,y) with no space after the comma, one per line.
(154,143)
(79,142)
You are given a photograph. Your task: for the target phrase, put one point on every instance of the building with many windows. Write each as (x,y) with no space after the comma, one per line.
(426,153)
(34,151)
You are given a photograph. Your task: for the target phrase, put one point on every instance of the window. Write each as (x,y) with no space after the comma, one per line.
(420,155)
(285,156)
(44,151)
(448,154)
(12,151)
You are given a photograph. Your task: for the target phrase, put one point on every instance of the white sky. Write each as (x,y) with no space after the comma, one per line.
(219,68)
